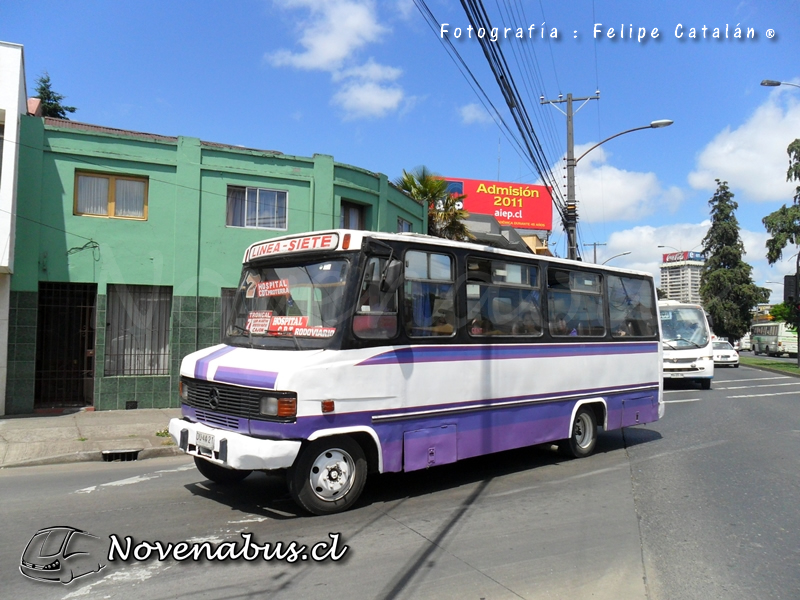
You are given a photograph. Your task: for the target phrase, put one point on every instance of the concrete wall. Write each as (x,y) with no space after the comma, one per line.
(13,104)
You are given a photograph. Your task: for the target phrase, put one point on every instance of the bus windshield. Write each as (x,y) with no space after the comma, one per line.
(683,327)
(289,306)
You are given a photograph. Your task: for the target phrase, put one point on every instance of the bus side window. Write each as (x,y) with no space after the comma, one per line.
(429,294)
(575,303)
(631,307)
(376,312)
(503,298)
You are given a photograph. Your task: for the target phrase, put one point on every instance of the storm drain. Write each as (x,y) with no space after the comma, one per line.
(120,455)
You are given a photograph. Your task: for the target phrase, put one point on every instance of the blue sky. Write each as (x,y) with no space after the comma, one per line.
(369,82)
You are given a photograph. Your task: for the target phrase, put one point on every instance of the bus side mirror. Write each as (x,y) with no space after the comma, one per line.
(710,320)
(392,276)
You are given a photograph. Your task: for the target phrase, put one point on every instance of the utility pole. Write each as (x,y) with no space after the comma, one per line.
(571,217)
(595,244)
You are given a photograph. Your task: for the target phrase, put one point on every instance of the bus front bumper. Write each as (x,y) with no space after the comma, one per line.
(230,449)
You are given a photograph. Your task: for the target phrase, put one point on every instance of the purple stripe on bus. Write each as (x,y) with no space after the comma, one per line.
(422,354)
(248,377)
(478,432)
(201,366)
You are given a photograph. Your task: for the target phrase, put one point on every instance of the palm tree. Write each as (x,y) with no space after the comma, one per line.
(445,215)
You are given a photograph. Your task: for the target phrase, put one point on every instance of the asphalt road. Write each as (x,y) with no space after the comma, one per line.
(699,505)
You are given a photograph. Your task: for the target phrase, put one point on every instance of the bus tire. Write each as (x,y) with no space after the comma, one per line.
(584,435)
(705,384)
(328,476)
(219,474)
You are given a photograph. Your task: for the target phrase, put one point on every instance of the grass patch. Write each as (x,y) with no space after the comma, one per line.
(82,439)
(163,433)
(770,364)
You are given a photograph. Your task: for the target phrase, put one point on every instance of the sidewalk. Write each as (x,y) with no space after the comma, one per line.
(84,436)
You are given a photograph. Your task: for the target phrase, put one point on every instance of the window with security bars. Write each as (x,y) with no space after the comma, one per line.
(137,330)
(256,207)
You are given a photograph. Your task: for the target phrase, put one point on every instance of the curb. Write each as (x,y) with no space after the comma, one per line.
(92,456)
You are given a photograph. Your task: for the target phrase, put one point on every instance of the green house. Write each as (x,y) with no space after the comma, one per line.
(128,246)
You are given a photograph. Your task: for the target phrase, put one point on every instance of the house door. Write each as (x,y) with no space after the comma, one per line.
(65,345)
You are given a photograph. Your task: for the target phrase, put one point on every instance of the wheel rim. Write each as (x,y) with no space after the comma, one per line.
(332,474)
(582,431)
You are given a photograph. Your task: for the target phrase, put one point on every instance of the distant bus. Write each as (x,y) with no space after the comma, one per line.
(355,352)
(773,339)
(687,342)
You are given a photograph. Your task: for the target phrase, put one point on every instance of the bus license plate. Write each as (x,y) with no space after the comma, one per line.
(205,443)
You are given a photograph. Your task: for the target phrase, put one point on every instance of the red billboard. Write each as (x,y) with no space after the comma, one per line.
(519,205)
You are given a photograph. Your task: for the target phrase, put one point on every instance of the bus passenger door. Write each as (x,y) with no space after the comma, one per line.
(429,447)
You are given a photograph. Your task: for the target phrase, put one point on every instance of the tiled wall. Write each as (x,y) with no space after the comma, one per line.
(195,325)
(22,314)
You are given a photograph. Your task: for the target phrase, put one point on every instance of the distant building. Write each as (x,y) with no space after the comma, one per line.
(680,276)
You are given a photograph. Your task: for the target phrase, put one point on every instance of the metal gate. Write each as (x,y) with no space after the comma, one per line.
(65,349)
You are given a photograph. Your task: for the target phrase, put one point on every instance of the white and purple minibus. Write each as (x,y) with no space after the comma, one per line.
(356,352)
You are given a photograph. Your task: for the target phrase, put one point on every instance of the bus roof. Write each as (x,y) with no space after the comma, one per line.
(350,239)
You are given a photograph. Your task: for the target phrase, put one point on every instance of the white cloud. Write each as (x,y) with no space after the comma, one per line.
(332,35)
(474,113)
(370,70)
(752,158)
(367,99)
(645,255)
(606,193)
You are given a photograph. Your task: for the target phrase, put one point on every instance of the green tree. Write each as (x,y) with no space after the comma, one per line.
(726,285)
(784,224)
(51,101)
(782,312)
(445,215)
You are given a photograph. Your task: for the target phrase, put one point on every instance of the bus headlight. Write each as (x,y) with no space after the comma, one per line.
(183,390)
(278,406)
(269,406)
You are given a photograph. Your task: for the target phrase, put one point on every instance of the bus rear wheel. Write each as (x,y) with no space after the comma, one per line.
(584,435)
(328,476)
(219,474)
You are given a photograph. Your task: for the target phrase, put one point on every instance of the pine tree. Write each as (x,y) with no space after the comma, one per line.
(51,101)
(726,285)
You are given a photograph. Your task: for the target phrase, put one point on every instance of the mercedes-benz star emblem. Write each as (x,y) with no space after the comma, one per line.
(213,398)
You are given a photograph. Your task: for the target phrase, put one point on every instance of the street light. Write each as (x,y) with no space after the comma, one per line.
(570,218)
(653,125)
(616,256)
(773,83)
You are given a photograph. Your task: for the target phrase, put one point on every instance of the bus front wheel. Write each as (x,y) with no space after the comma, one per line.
(584,435)
(328,476)
(705,384)
(219,474)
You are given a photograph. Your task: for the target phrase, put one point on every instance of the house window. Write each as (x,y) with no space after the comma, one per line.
(403,226)
(137,330)
(116,196)
(256,207)
(352,216)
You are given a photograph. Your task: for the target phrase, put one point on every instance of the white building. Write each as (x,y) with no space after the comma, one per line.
(13,103)
(680,276)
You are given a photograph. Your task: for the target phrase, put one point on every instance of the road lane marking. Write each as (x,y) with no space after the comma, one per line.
(794,393)
(132,480)
(757,379)
(751,387)
(679,401)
